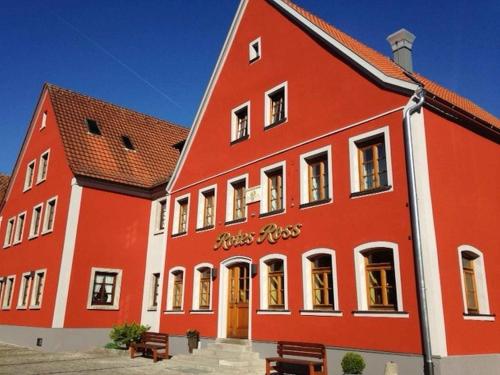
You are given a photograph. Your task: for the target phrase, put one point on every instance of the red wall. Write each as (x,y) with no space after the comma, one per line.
(324,94)
(112,233)
(464,170)
(45,250)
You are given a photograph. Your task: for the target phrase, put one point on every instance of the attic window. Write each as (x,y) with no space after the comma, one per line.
(127,143)
(254,50)
(93,127)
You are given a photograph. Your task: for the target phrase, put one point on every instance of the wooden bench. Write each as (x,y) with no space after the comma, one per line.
(297,354)
(156,343)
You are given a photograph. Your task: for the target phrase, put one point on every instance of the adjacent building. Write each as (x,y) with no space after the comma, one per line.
(82,221)
(299,228)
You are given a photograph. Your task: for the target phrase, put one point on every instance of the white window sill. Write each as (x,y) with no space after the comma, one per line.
(37,307)
(27,188)
(32,237)
(21,307)
(47,231)
(371,192)
(179,234)
(322,202)
(335,313)
(102,307)
(157,232)
(39,182)
(273,312)
(173,312)
(483,317)
(6,307)
(16,242)
(381,314)
(152,308)
(206,229)
(6,246)
(202,312)
(281,211)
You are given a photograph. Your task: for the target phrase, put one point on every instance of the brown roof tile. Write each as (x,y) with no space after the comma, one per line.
(391,69)
(4,184)
(105,157)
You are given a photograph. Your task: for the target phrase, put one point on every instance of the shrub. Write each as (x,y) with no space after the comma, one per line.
(124,334)
(111,345)
(353,363)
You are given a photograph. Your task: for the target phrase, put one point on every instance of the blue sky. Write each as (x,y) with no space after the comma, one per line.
(157,56)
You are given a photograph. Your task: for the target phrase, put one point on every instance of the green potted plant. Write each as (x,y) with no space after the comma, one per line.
(126,333)
(352,363)
(193,337)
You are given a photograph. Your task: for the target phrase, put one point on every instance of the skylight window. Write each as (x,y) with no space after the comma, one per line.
(127,143)
(93,127)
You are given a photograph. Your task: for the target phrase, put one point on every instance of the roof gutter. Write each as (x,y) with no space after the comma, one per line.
(419,96)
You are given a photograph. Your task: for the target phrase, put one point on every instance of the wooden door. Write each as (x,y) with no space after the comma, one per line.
(238,294)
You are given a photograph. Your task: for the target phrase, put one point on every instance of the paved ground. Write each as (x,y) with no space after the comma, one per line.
(17,360)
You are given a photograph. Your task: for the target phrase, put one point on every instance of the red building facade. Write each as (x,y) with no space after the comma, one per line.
(299,227)
(88,184)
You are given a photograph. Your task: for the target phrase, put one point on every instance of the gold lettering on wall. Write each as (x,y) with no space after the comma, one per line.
(270,232)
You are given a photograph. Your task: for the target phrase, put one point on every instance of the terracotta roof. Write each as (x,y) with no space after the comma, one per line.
(105,156)
(391,69)
(4,184)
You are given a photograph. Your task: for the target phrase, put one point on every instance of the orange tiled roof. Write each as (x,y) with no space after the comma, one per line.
(4,184)
(391,69)
(104,156)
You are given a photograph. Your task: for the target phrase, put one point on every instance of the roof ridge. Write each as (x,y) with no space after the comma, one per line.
(167,122)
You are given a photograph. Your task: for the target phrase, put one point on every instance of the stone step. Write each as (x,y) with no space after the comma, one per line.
(229,347)
(211,352)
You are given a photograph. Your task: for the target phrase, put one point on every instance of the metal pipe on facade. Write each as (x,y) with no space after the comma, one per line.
(416,236)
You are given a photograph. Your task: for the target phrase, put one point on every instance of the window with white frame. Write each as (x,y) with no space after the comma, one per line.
(202,287)
(206,208)
(273,283)
(378,279)
(36,220)
(181,215)
(37,289)
(316,177)
(175,292)
(50,215)
(9,232)
(236,208)
(30,173)
(2,287)
(370,162)
(272,182)
(24,290)
(43,167)
(44,120)
(240,122)
(18,236)
(8,292)
(320,281)
(276,105)
(161,215)
(254,50)
(104,289)
(154,291)
(473,279)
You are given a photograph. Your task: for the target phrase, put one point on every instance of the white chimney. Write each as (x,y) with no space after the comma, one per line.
(402,42)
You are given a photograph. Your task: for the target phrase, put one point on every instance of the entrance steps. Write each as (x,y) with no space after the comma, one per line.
(225,356)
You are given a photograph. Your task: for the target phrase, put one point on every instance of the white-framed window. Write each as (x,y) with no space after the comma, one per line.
(160,215)
(2,288)
(240,122)
(378,280)
(9,232)
(175,290)
(10,282)
(254,50)
(273,284)
(37,289)
(236,207)
(319,282)
(273,188)
(276,105)
(24,290)
(181,215)
(30,174)
(316,176)
(104,289)
(44,120)
(370,162)
(202,287)
(43,167)
(18,236)
(36,221)
(154,291)
(50,215)
(207,202)
(473,280)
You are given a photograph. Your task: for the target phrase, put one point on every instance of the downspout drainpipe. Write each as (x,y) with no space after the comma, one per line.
(415,226)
